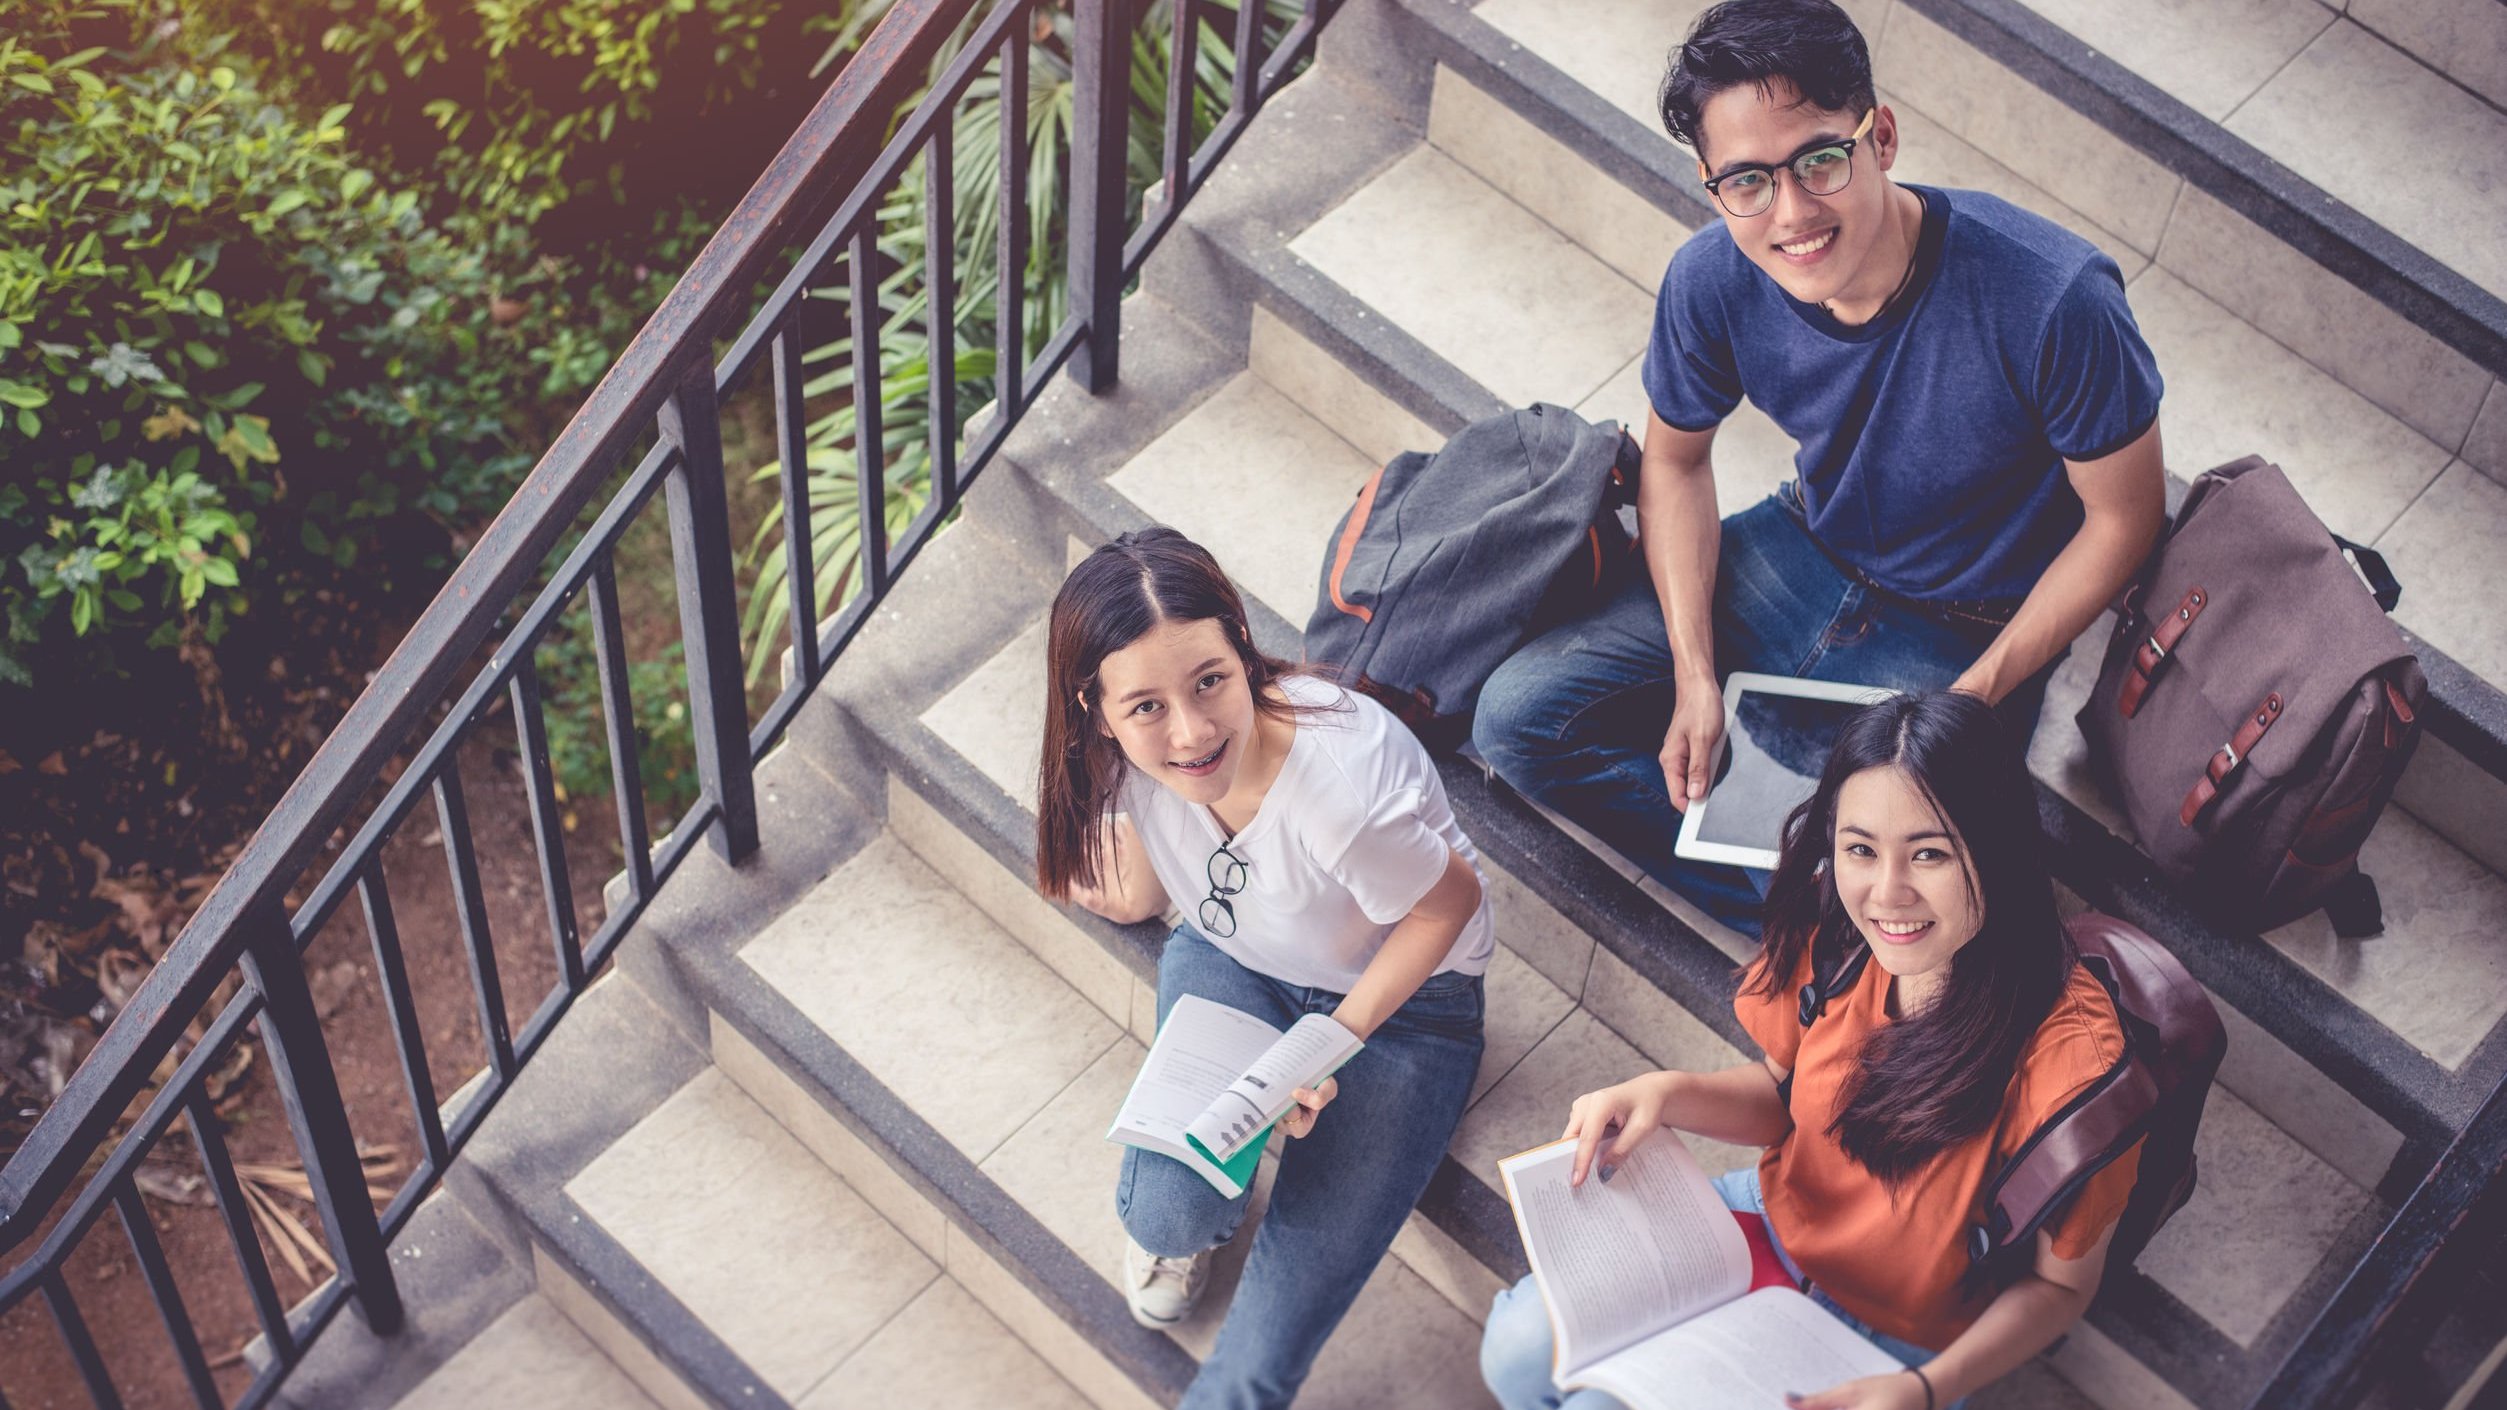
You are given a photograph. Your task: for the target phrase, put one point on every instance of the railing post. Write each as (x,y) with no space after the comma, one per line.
(1101,78)
(300,1062)
(709,617)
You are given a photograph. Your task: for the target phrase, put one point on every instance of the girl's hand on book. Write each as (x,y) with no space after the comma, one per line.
(1895,1391)
(1627,1113)
(1310,1104)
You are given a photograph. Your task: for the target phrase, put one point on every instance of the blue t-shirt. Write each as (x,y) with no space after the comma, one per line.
(1933,437)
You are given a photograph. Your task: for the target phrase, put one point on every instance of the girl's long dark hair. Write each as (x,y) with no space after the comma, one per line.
(1112,599)
(1938,1077)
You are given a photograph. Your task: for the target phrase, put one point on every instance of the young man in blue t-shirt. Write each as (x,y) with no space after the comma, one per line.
(1979,468)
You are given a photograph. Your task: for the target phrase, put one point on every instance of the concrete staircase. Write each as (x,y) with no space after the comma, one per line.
(834,1133)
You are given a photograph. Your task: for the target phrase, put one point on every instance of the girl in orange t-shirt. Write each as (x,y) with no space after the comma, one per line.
(1918,1074)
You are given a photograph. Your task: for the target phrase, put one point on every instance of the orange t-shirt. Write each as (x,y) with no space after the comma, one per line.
(1896,1263)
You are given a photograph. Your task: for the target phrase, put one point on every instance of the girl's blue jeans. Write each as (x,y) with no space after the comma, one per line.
(1575,718)
(1516,1350)
(1342,1191)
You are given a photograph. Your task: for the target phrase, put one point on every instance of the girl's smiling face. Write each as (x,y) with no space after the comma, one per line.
(1902,873)
(1177,702)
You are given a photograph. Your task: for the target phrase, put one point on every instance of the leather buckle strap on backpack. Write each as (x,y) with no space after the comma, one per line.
(2157,649)
(2230,757)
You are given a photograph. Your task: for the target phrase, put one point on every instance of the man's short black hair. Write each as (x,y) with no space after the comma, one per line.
(1810,44)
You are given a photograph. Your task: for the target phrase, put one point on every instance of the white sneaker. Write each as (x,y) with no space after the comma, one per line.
(1162,1291)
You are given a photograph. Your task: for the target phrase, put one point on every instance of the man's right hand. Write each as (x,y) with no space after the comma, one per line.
(1697,726)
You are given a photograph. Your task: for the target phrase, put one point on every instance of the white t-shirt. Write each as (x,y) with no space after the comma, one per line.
(1351,835)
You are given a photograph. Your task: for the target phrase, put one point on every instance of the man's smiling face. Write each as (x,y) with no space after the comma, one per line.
(1816,248)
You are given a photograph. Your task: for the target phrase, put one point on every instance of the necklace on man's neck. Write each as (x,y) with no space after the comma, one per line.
(1914,249)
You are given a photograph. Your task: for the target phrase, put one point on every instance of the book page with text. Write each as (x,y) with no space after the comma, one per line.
(1200,1048)
(1313,1047)
(1744,1355)
(1620,1259)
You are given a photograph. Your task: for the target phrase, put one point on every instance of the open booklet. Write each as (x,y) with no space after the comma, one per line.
(1648,1282)
(1215,1081)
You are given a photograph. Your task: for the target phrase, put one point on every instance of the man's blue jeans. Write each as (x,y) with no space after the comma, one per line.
(1575,719)
(1342,1191)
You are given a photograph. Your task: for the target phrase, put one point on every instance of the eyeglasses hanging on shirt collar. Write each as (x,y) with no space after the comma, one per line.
(1226,873)
(1823,169)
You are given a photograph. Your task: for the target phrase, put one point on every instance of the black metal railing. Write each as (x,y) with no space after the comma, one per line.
(84,1156)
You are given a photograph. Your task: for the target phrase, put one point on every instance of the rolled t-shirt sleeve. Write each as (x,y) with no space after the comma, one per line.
(1393,858)
(2098,385)
(1689,373)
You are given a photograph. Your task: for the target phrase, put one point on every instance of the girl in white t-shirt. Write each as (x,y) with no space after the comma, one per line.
(1305,837)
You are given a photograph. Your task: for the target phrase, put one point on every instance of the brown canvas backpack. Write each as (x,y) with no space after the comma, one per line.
(2256,707)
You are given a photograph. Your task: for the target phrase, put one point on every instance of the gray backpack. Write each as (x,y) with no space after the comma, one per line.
(2256,707)
(1448,562)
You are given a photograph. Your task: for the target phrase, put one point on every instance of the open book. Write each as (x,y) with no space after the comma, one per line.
(1216,1080)
(1648,1282)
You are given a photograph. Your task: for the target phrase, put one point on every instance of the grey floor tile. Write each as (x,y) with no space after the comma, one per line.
(1529,1108)
(2446,549)
(2324,318)
(995,718)
(2352,111)
(2091,1362)
(2263,1216)
(2464,39)
(1932,155)
(782,1260)
(1543,175)
(2485,449)
(946,1352)
(2459,800)
(1056,1342)
(2438,975)
(1328,391)
(529,1356)
(1419,244)
(2232,392)
(1619,48)
(1256,481)
(1536,932)
(1523,1006)
(2209,55)
(1401,1344)
(1061,1168)
(2032,132)
(921,988)
(2057,753)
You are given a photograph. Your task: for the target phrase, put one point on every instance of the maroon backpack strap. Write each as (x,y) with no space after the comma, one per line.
(2229,758)
(2088,1134)
(2156,648)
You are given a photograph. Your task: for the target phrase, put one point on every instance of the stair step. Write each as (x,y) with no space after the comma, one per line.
(795,1271)
(1423,244)
(532,1355)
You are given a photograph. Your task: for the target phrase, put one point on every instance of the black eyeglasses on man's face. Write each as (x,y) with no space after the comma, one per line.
(1226,873)
(1822,169)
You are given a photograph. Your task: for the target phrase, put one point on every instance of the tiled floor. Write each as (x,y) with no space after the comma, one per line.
(1424,244)
(2210,56)
(529,1356)
(995,1033)
(2461,520)
(1248,469)
(2395,141)
(752,1234)
(2231,392)
(2262,1217)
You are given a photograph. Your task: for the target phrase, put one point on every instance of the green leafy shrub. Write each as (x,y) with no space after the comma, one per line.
(213,318)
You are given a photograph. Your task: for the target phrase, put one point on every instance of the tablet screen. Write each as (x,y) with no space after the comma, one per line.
(1776,746)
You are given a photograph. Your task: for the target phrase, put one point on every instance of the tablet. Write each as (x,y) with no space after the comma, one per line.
(1777,734)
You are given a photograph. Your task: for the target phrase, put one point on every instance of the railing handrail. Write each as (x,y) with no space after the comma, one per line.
(833,147)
